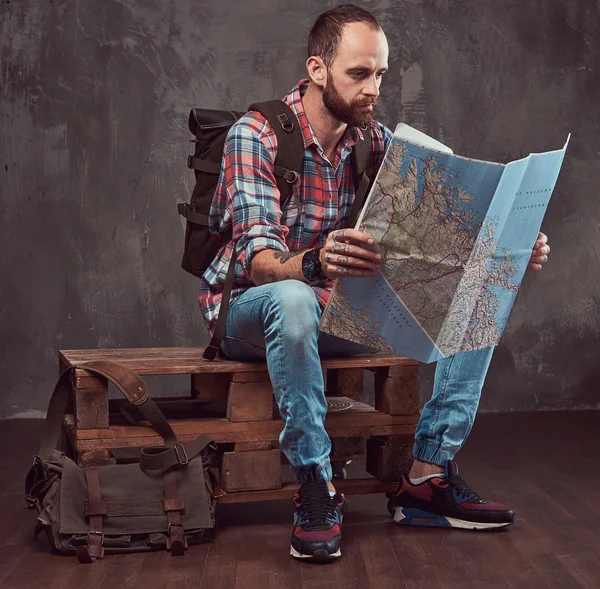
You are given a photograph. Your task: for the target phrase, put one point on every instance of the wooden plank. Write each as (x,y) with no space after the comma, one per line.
(397,394)
(346,446)
(90,408)
(346,382)
(190,361)
(250,401)
(287,491)
(251,471)
(359,414)
(210,386)
(251,446)
(250,377)
(119,437)
(223,430)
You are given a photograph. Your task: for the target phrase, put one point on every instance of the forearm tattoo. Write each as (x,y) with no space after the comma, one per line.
(283,257)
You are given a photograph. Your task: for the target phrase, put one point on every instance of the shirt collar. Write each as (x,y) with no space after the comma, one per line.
(294,100)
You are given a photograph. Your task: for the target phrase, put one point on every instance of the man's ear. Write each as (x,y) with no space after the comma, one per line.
(317,71)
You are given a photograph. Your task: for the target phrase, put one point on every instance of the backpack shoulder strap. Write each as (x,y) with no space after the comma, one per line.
(288,165)
(290,144)
(362,171)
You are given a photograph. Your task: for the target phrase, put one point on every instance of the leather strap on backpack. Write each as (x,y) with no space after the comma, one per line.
(290,145)
(287,168)
(131,385)
(135,390)
(362,170)
(95,510)
(211,351)
(173,506)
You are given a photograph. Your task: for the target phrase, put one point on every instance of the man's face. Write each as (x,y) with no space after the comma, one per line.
(353,80)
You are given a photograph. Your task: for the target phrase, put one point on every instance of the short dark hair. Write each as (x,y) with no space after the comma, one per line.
(326,34)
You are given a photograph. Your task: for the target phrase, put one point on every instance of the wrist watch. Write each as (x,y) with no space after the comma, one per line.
(311,265)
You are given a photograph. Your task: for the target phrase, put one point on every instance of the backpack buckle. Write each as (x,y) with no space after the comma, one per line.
(291,176)
(286,124)
(181,454)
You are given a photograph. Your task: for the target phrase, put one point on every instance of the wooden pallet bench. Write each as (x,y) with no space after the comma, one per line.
(233,403)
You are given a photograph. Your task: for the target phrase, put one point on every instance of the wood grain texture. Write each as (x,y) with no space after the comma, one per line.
(251,471)
(554,544)
(359,421)
(251,446)
(346,382)
(220,431)
(90,407)
(190,361)
(250,401)
(397,390)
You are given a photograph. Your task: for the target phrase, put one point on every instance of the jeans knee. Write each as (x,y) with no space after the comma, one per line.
(295,309)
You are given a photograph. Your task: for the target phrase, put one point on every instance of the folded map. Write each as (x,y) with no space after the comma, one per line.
(456,235)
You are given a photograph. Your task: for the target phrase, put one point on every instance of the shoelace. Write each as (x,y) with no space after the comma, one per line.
(317,504)
(463,490)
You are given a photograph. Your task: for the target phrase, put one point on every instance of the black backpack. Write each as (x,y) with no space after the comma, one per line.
(210,128)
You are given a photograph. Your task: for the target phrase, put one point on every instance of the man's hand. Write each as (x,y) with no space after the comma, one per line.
(540,252)
(345,254)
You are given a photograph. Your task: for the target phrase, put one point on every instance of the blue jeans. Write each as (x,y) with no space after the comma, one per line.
(278,322)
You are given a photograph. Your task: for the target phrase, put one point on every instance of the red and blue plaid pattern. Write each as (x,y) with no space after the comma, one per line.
(247,199)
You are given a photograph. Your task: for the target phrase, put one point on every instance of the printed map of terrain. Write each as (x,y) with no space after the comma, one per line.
(455,235)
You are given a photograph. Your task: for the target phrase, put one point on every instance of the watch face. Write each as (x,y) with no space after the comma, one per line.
(309,266)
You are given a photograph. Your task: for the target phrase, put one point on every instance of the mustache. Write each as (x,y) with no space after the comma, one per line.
(366,102)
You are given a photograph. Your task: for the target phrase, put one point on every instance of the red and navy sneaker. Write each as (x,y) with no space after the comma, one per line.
(317,530)
(446,501)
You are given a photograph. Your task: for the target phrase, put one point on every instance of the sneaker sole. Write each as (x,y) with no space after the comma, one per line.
(316,555)
(417,517)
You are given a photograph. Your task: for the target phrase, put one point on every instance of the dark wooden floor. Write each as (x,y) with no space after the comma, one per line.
(545,465)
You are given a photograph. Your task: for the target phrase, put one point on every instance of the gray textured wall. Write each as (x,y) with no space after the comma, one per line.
(93,102)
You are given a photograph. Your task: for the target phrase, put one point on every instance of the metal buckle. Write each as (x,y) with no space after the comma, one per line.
(291,179)
(32,503)
(171,524)
(96,533)
(286,124)
(179,452)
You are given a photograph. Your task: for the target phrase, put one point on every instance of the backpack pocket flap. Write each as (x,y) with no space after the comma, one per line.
(133,499)
(204,119)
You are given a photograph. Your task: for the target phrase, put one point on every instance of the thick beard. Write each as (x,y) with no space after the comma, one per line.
(349,113)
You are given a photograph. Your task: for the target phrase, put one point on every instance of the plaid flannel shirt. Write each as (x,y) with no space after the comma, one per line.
(247,199)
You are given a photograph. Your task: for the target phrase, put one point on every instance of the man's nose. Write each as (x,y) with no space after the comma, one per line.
(371,87)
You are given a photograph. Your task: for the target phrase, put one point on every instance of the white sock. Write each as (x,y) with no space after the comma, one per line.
(426,478)
(332,493)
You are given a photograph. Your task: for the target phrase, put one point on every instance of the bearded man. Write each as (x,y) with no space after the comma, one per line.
(287,257)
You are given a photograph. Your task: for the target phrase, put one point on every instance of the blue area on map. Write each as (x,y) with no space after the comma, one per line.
(482,176)
(386,317)
(510,200)
(534,179)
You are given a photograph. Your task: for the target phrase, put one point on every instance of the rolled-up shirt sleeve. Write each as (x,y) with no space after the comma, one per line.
(253,206)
